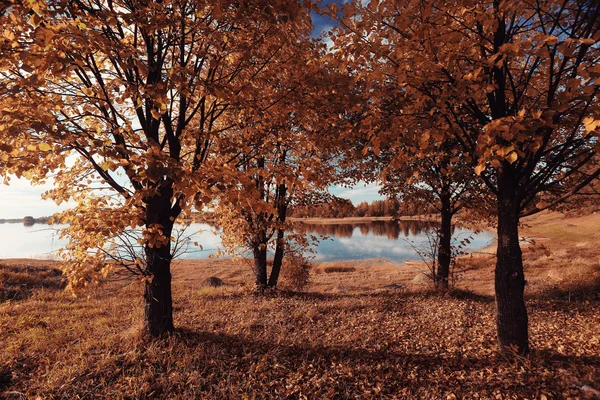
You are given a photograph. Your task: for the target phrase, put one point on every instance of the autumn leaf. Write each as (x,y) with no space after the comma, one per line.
(155,113)
(35,20)
(512,157)
(44,147)
(479,169)
(591,124)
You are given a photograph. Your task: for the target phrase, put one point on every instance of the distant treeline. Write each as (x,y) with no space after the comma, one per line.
(342,208)
(25,220)
(390,229)
(207,217)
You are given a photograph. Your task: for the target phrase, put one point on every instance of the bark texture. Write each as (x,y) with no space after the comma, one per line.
(260,265)
(277,259)
(157,294)
(280,244)
(444,245)
(512,321)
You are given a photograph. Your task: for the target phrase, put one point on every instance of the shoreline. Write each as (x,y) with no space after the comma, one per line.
(561,234)
(358,220)
(549,264)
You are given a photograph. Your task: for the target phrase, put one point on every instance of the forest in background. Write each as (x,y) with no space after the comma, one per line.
(341,208)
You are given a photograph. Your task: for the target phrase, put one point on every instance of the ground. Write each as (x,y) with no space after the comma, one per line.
(347,336)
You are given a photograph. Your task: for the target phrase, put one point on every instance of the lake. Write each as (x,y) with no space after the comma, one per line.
(394,240)
(382,239)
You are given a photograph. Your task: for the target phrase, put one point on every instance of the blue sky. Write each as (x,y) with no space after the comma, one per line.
(21,198)
(322,23)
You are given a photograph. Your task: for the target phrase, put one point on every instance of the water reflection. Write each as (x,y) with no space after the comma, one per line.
(390,229)
(388,239)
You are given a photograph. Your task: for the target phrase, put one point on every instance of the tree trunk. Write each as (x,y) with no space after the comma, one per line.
(509,276)
(280,245)
(444,245)
(260,265)
(157,294)
(278,259)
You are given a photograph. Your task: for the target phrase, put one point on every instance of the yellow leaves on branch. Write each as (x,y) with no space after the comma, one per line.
(155,114)
(510,48)
(153,236)
(591,125)
(9,35)
(550,40)
(512,157)
(35,20)
(480,168)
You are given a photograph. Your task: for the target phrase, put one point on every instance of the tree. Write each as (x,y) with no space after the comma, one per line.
(407,160)
(285,159)
(516,84)
(362,208)
(391,207)
(413,166)
(14,149)
(286,180)
(437,176)
(135,103)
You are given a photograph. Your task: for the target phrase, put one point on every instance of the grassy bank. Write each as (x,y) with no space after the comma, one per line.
(364,329)
(561,258)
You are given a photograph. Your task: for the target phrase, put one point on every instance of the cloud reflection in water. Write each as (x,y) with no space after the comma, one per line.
(380,239)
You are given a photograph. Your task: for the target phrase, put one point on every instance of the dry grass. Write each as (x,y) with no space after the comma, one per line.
(19,282)
(331,270)
(342,339)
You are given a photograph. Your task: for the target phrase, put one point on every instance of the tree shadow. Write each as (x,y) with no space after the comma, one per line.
(292,354)
(462,294)
(399,370)
(552,357)
(578,293)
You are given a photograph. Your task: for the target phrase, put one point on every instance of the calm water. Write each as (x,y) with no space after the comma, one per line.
(382,239)
(344,242)
(42,241)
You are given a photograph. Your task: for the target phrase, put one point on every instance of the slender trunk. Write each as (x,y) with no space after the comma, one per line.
(280,245)
(260,265)
(445,240)
(157,295)
(278,259)
(259,241)
(509,276)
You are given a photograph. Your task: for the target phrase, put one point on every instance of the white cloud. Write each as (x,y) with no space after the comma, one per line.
(21,198)
(361,192)
(328,42)
(324,28)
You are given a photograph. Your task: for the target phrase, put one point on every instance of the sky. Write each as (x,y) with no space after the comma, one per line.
(21,198)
